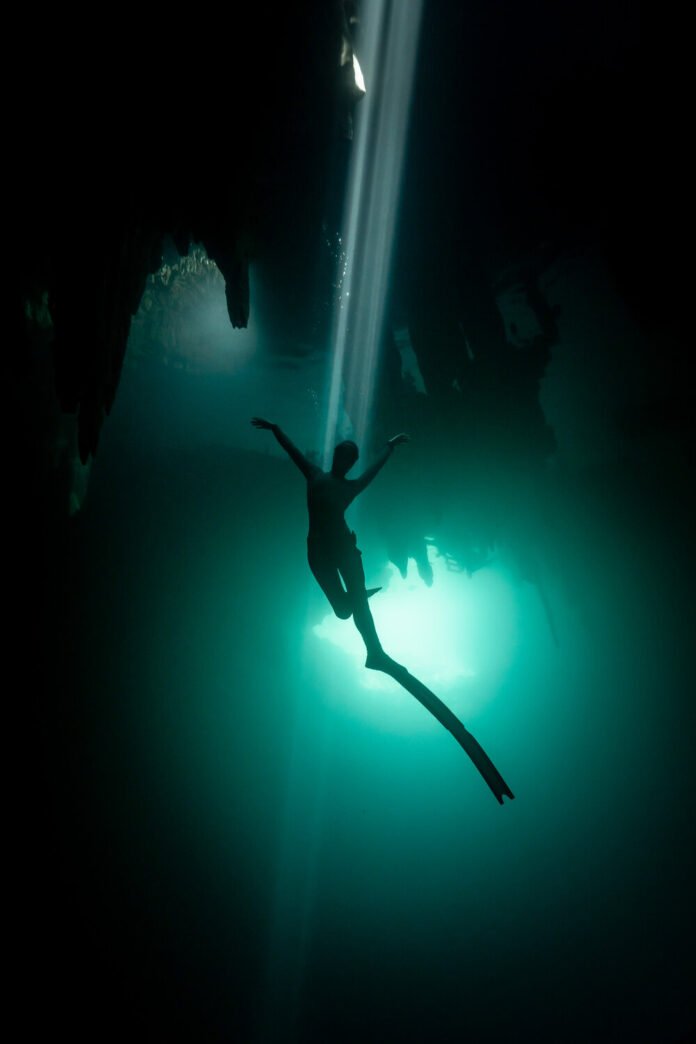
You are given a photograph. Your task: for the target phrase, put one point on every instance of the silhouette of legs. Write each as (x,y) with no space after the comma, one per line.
(362,617)
(351,569)
(326,574)
(330,565)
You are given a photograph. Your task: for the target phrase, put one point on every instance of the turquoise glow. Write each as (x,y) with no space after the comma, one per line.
(458,637)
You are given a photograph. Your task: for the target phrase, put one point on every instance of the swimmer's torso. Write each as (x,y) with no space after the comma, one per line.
(327,499)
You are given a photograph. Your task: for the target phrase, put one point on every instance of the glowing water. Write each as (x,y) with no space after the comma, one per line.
(457,637)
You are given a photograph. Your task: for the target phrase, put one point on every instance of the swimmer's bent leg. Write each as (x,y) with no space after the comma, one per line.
(326,574)
(351,567)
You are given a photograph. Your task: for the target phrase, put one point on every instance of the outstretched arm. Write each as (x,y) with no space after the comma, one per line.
(290,448)
(366,478)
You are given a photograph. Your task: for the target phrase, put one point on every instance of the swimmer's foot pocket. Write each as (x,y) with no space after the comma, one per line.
(379,661)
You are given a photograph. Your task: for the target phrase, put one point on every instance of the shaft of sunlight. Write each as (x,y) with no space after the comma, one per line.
(388,53)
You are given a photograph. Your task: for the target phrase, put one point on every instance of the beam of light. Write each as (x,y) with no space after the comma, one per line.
(357,72)
(390,32)
(388,54)
(457,637)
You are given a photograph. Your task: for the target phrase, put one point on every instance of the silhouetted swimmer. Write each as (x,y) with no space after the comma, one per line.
(334,555)
(332,549)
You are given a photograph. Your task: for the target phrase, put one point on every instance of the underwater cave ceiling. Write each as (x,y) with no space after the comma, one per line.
(198,132)
(233,139)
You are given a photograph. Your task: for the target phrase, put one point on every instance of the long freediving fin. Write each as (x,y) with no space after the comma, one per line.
(451,722)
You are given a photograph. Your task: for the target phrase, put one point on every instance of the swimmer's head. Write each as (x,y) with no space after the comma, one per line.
(345,456)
